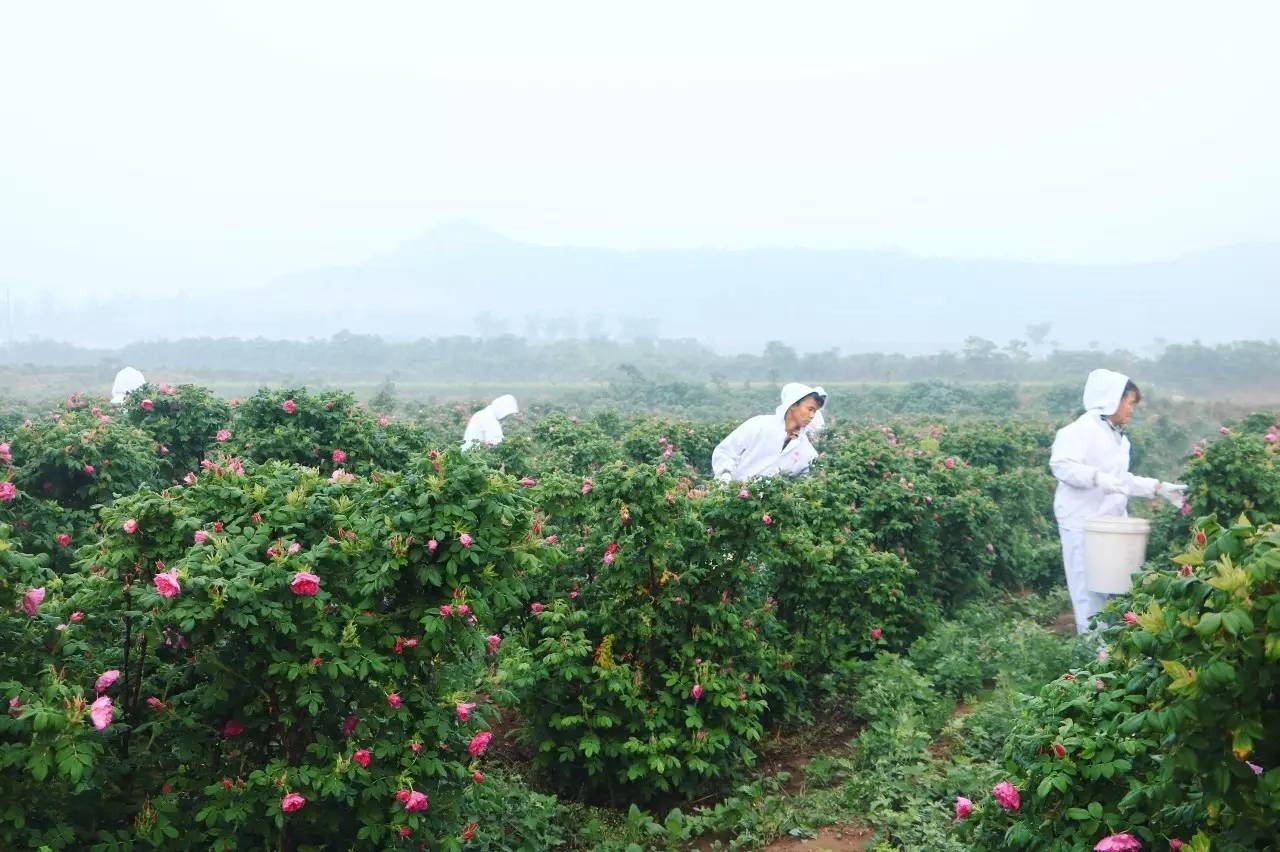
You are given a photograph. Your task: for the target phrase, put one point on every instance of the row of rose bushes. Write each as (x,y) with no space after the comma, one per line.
(648,624)
(1169,741)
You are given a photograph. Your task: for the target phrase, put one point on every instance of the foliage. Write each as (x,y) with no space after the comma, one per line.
(1173,733)
(246,685)
(184,421)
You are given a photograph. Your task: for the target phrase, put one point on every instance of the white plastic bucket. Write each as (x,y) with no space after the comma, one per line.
(1114,550)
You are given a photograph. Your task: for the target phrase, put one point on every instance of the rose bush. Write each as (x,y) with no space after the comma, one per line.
(264,664)
(1172,734)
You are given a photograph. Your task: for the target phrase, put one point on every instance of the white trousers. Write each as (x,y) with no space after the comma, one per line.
(1085,603)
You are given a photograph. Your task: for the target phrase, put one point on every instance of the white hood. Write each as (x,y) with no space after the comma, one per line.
(504,406)
(127,380)
(793,392)
(1103,391)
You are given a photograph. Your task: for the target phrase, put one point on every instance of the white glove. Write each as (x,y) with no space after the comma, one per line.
(1174,492)
(1108,482)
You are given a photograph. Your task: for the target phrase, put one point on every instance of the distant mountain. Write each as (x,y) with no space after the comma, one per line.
(811,299)
(460,279)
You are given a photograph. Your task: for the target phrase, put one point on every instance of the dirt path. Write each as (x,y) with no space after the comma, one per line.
(1065,623)
(835,838)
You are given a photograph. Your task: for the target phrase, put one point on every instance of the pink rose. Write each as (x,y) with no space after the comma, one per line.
(393,699)
(963,807)
(232,729)
(536,607)
(147,405)
(463,709)
(446,610)
(1175,843)
(362,757)
(104,681)
(696,692)
(1119,843)
(587,485)
(101,712)
(190,478)
(77,617)
(493,642)
(479,743)
(289,406)
(1131,617)
(64,539)
(167,583)
(223,435)
(527,482)
(294,547)
(339,456)
(608,559)
(432,544)
(292,802)
(766,519)
(1224,430)
(744,493)
(32,599)
(466,539)
(88,468)
(304,583)
(949,462)
(1007,795)
(416,801)
(876,632)
(154,703)
(552,539)
(8,491)
(200,536)
(1059,750)
(130,526)
(463,609)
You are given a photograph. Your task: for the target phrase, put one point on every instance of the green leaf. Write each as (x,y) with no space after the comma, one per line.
(1209,623)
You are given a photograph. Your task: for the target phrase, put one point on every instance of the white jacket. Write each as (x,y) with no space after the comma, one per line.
(484,426)
(756,448)
(1091,444)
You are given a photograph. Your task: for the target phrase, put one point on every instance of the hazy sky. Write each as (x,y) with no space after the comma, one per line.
(217,145)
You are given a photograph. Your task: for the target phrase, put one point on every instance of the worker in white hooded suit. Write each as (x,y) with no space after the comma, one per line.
(773,443)
(126,382)
(1090,460)
(485,426)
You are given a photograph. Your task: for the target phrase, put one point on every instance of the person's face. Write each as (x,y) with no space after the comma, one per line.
(802,413)
(1125,411)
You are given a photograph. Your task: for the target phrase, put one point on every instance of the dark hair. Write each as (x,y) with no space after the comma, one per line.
(821,400)
(1130,387)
